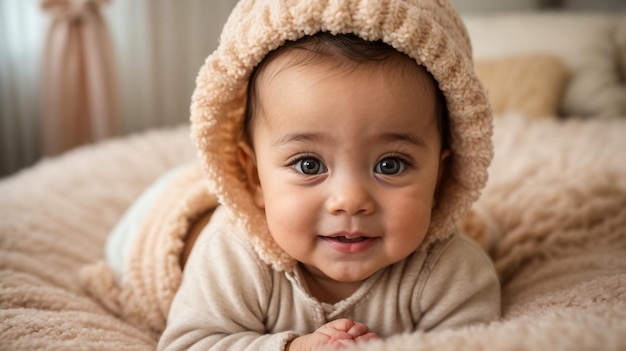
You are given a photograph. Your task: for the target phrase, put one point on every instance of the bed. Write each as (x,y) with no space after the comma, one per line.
(553,214)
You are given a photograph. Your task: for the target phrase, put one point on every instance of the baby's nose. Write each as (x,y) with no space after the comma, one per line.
(352,197)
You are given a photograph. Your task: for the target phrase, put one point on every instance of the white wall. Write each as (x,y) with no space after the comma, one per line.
(492,6)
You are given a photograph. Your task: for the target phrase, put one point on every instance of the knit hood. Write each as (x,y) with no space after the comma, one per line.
(428,31)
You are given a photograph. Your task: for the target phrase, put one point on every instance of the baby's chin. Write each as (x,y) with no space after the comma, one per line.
(346,272)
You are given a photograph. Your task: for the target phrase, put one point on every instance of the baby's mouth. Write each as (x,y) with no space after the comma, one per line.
(349,243)
(344,239)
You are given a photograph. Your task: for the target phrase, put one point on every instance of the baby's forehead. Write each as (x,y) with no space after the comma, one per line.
(325,86)
(399,67)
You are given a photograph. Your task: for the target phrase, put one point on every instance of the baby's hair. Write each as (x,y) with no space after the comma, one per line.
(324,45)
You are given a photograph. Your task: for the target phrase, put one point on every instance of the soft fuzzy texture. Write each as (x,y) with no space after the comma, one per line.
(55,219)
(556,203)
(428,31)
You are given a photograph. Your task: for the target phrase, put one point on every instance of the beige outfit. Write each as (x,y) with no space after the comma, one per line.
(231,300)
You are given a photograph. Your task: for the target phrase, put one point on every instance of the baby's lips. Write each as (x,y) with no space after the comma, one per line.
(349,235)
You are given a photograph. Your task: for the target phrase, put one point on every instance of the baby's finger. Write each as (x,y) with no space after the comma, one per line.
(358,329)
(336,330)
(342,324)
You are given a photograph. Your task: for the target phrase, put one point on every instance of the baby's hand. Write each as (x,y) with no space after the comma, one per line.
(336,333)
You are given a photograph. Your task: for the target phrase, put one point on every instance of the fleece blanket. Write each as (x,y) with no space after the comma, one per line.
(553,217)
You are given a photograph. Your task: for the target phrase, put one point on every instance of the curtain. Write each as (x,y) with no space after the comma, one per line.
(22,28)
(159,46)
(79,102)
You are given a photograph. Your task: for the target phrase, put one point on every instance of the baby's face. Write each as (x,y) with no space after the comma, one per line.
(348,162)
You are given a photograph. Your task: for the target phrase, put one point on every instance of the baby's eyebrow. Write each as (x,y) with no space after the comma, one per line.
(404,137)
(298,137)
(386,137)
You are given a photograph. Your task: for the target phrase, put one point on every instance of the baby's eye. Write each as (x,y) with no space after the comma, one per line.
(390,165)
(310,165)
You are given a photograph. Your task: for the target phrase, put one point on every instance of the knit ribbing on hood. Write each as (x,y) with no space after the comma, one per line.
(428,31)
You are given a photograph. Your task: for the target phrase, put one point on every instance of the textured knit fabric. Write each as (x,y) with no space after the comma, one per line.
(429,31)
(230,300)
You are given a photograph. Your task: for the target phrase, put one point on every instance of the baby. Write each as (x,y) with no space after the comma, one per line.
(343,140)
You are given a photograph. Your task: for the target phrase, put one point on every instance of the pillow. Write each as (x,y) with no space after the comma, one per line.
(532,84)
(584,42)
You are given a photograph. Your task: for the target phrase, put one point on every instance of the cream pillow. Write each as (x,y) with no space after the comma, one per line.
(531,84)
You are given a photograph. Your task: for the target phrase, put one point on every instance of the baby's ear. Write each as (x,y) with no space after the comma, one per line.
(247,160)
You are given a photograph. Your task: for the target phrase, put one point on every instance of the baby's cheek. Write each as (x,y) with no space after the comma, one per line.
(412,218)
(284,215)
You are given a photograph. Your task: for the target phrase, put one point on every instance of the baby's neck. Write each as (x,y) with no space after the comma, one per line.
(325,289)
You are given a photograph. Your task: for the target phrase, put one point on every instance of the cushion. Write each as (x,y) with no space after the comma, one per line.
(531,84)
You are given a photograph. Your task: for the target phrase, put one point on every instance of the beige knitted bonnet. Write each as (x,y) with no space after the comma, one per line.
(429,31)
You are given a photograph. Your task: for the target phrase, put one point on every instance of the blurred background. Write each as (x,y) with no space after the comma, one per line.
(74,72)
